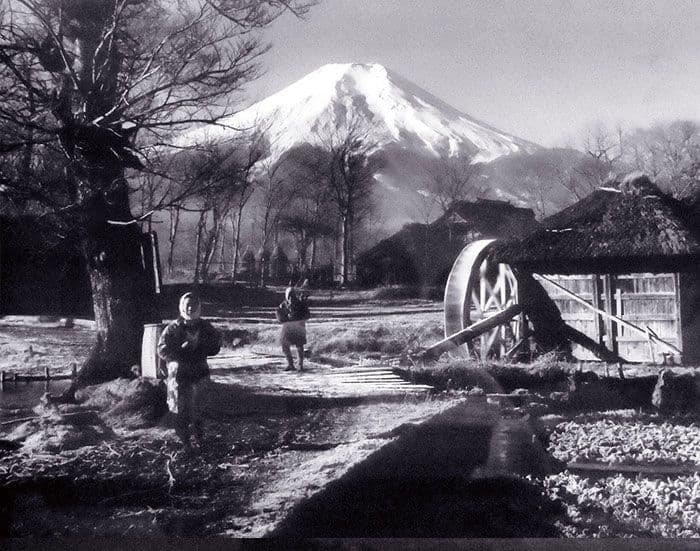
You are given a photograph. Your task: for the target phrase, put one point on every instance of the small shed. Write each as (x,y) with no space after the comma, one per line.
(623,267)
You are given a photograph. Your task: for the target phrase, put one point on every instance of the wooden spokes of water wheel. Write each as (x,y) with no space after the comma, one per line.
(479,290)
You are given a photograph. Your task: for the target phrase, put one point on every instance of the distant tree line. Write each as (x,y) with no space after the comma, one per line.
(313,194)
(551,179)
(669,153)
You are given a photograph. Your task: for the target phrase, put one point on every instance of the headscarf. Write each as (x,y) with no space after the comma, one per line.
(196,307)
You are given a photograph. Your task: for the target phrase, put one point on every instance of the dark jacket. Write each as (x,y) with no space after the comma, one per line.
(192,359)
(292,310)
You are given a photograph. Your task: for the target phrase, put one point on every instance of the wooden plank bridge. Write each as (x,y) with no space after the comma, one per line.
(266,373)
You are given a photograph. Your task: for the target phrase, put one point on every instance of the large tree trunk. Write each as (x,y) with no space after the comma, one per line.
(198,249)
(344,250)
(302,250)
(122,291)
(221,254)
(312,261)
(210,245)
(345,247)
(237,242)
(172,236)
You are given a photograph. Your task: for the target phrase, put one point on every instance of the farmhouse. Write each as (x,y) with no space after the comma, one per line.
(424,253)
(623,267)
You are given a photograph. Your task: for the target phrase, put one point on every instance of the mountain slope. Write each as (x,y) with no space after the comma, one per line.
(397,112)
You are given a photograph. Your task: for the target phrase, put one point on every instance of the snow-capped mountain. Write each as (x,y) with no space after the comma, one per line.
(409,127)
(397,113)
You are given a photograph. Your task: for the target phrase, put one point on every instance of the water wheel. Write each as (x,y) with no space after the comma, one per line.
(477,289)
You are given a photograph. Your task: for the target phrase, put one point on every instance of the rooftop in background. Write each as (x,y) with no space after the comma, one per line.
(423,254)
(492,218)
(626,227)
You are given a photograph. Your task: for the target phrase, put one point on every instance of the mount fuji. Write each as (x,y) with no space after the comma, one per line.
(396,112)
(409,128)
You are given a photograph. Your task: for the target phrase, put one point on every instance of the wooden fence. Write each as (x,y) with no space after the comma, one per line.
(648,301)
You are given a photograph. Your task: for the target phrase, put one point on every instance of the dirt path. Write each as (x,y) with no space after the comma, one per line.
(320,451)
(276,438)
(258,466)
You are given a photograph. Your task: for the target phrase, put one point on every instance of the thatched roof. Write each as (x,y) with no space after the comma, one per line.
(424,254)
(491,218)
(632,226)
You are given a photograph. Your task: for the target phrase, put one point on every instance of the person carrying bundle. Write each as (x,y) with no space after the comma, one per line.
(292,314)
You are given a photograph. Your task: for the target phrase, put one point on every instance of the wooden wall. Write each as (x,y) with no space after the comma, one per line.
(645,300)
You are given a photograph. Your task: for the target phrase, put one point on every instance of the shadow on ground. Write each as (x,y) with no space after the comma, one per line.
(452,476)
(232,400)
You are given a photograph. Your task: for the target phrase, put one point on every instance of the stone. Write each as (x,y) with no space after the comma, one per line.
(676,392)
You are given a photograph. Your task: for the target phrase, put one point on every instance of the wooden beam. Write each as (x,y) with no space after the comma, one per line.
(608,302)
(474,330)
(677,306)
(588,343)
(607,315)
(595,282)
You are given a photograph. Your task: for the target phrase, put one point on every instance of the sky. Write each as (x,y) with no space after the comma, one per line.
(544,70)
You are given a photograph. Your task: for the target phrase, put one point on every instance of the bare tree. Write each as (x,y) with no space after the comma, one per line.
(251,149)
(454,178)
(218,179)
(180,183)
(275,192)
(539,188)
(102,78)
(309,213)
(605,149)
(214,203)
(424,206)
(670,154)
(174,219)
(348,168)
(603,161)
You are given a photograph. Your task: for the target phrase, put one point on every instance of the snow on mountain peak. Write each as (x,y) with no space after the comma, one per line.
(395,110)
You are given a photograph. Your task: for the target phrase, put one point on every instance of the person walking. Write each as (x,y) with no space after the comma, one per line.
(184,345)
(292,314)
